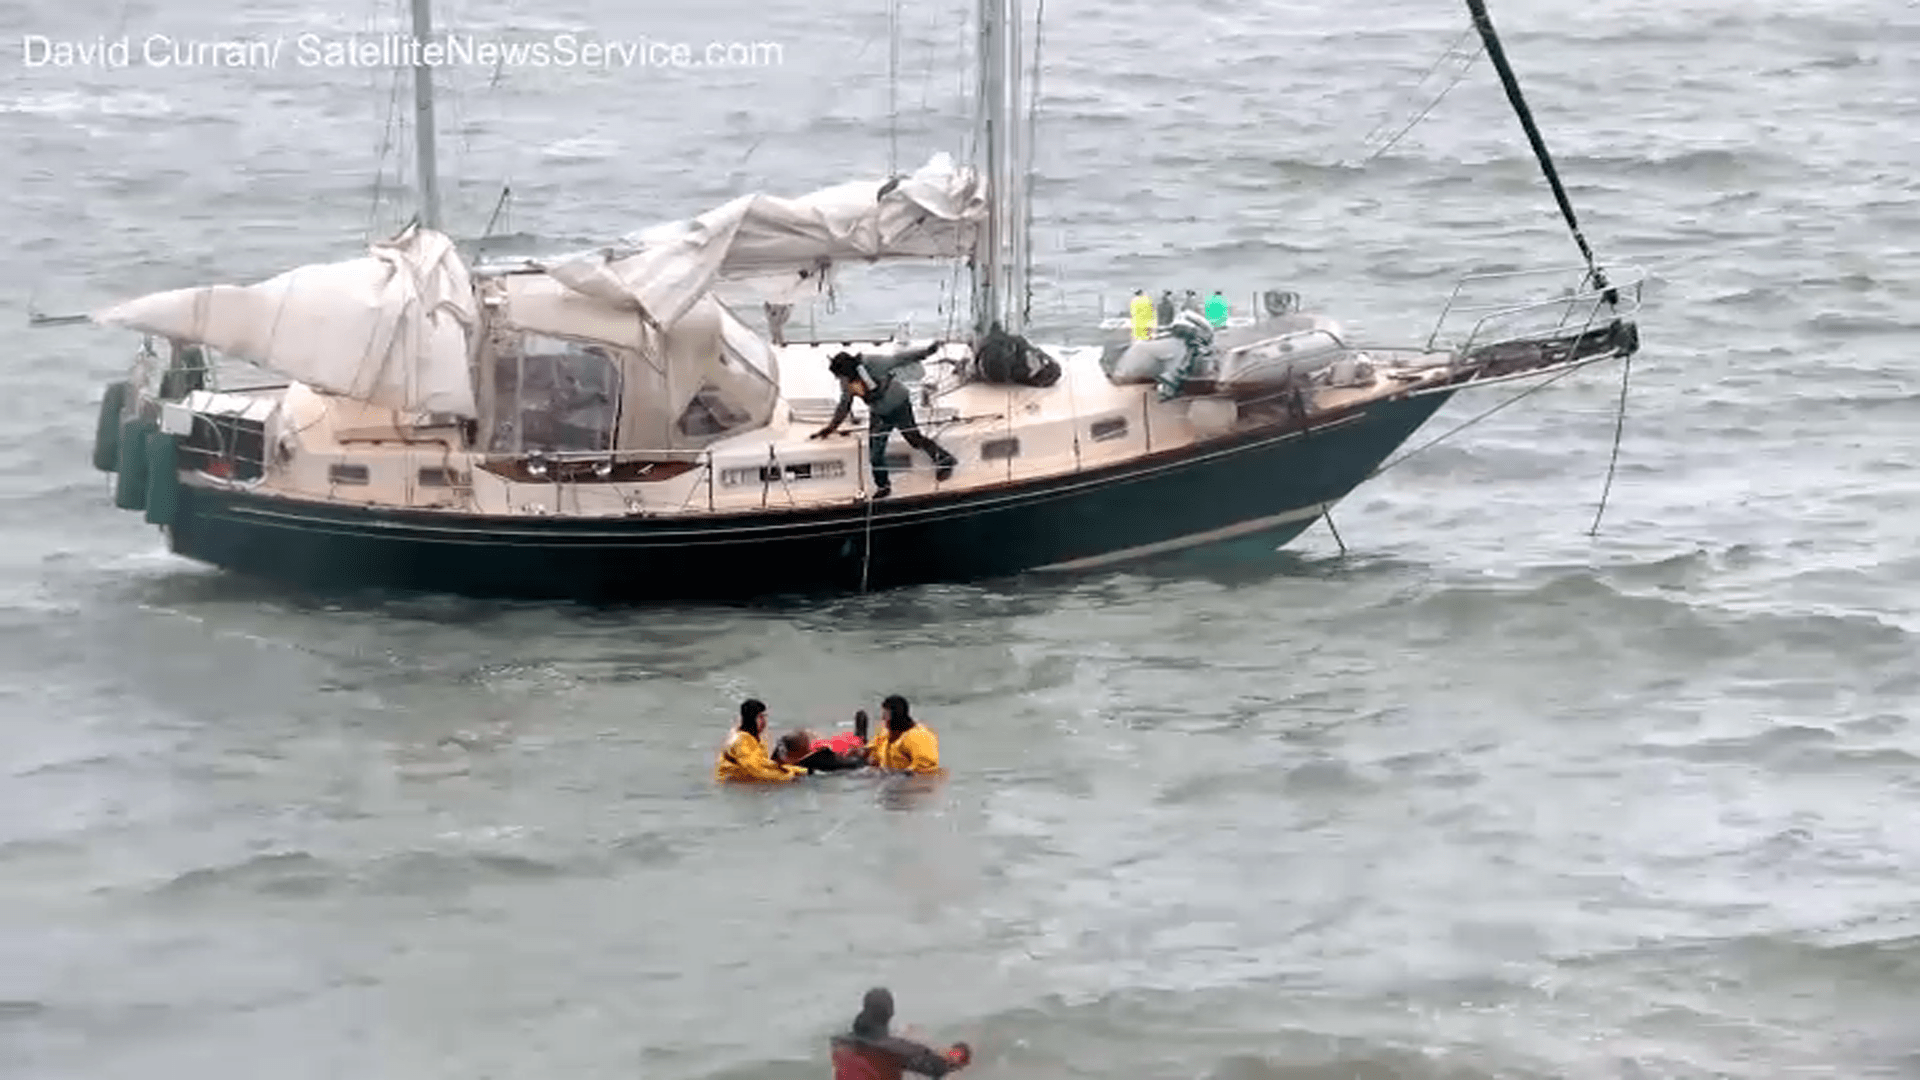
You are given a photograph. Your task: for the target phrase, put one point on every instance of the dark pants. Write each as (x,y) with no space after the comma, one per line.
(882,424)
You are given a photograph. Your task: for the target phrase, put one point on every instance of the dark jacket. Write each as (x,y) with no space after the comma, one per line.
(884,1057)
(825,759)
(887,394)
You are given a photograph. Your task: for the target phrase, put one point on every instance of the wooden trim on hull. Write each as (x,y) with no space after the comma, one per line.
(1277,483)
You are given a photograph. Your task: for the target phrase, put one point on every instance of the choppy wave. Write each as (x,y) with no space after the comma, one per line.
(303,875)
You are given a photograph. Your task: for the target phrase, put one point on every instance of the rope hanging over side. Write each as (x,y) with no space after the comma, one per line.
(1619,425)
(866,545)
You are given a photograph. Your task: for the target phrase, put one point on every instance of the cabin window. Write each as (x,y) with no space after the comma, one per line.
(554,395)
(436,476)
(785,473)
(1114,427)
(900,462)
(710,413)
(347,474)
(999,449)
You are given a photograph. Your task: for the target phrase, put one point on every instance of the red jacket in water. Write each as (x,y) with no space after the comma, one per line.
(888,1057)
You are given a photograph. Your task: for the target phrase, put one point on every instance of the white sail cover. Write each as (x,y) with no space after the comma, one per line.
(663,271)
(390,329)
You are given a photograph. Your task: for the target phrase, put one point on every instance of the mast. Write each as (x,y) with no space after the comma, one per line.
(423,126)
(1013,318)
(998,258)
(1484,24)
(986,277)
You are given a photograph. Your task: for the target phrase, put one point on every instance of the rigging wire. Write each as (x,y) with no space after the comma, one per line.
(381,153)
(499,209)
(1483,24)
(1464,425)
(1619,425)
(463,157)
(893,87)
(1458,77)
(1452,51)
(1033,125)
(386,144)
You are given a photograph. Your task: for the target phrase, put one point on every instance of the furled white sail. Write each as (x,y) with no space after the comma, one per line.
(663,271)
(390,329)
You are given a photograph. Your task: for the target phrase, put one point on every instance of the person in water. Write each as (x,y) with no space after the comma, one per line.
(889,407)
(801,750)
(842,752)
(903,743)
(744,759)
(869,1051)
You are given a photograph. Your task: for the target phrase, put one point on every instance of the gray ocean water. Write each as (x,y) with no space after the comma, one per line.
(1485,797)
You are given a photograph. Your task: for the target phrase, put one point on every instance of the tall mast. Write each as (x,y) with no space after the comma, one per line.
(423,127)
(998,259)
(1014,301)
(986,276)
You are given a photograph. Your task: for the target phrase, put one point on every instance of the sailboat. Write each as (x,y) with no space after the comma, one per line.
(602,425)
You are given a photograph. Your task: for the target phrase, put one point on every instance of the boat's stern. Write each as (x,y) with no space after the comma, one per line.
(165,420)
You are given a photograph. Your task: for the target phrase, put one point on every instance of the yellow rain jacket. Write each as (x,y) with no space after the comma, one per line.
(745,760)
(915,750)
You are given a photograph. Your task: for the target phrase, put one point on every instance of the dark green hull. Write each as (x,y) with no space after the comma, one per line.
(1273,486)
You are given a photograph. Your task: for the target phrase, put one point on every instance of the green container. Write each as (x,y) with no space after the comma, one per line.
(130,487)
(106,432)
(163,478)
(1217,310)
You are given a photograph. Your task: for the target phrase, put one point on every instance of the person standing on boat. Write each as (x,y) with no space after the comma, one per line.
(869,1051)
(889,408)
(903,744)
(744,759)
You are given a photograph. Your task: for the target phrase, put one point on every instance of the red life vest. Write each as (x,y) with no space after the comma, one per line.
(860,1063)
(844,743)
